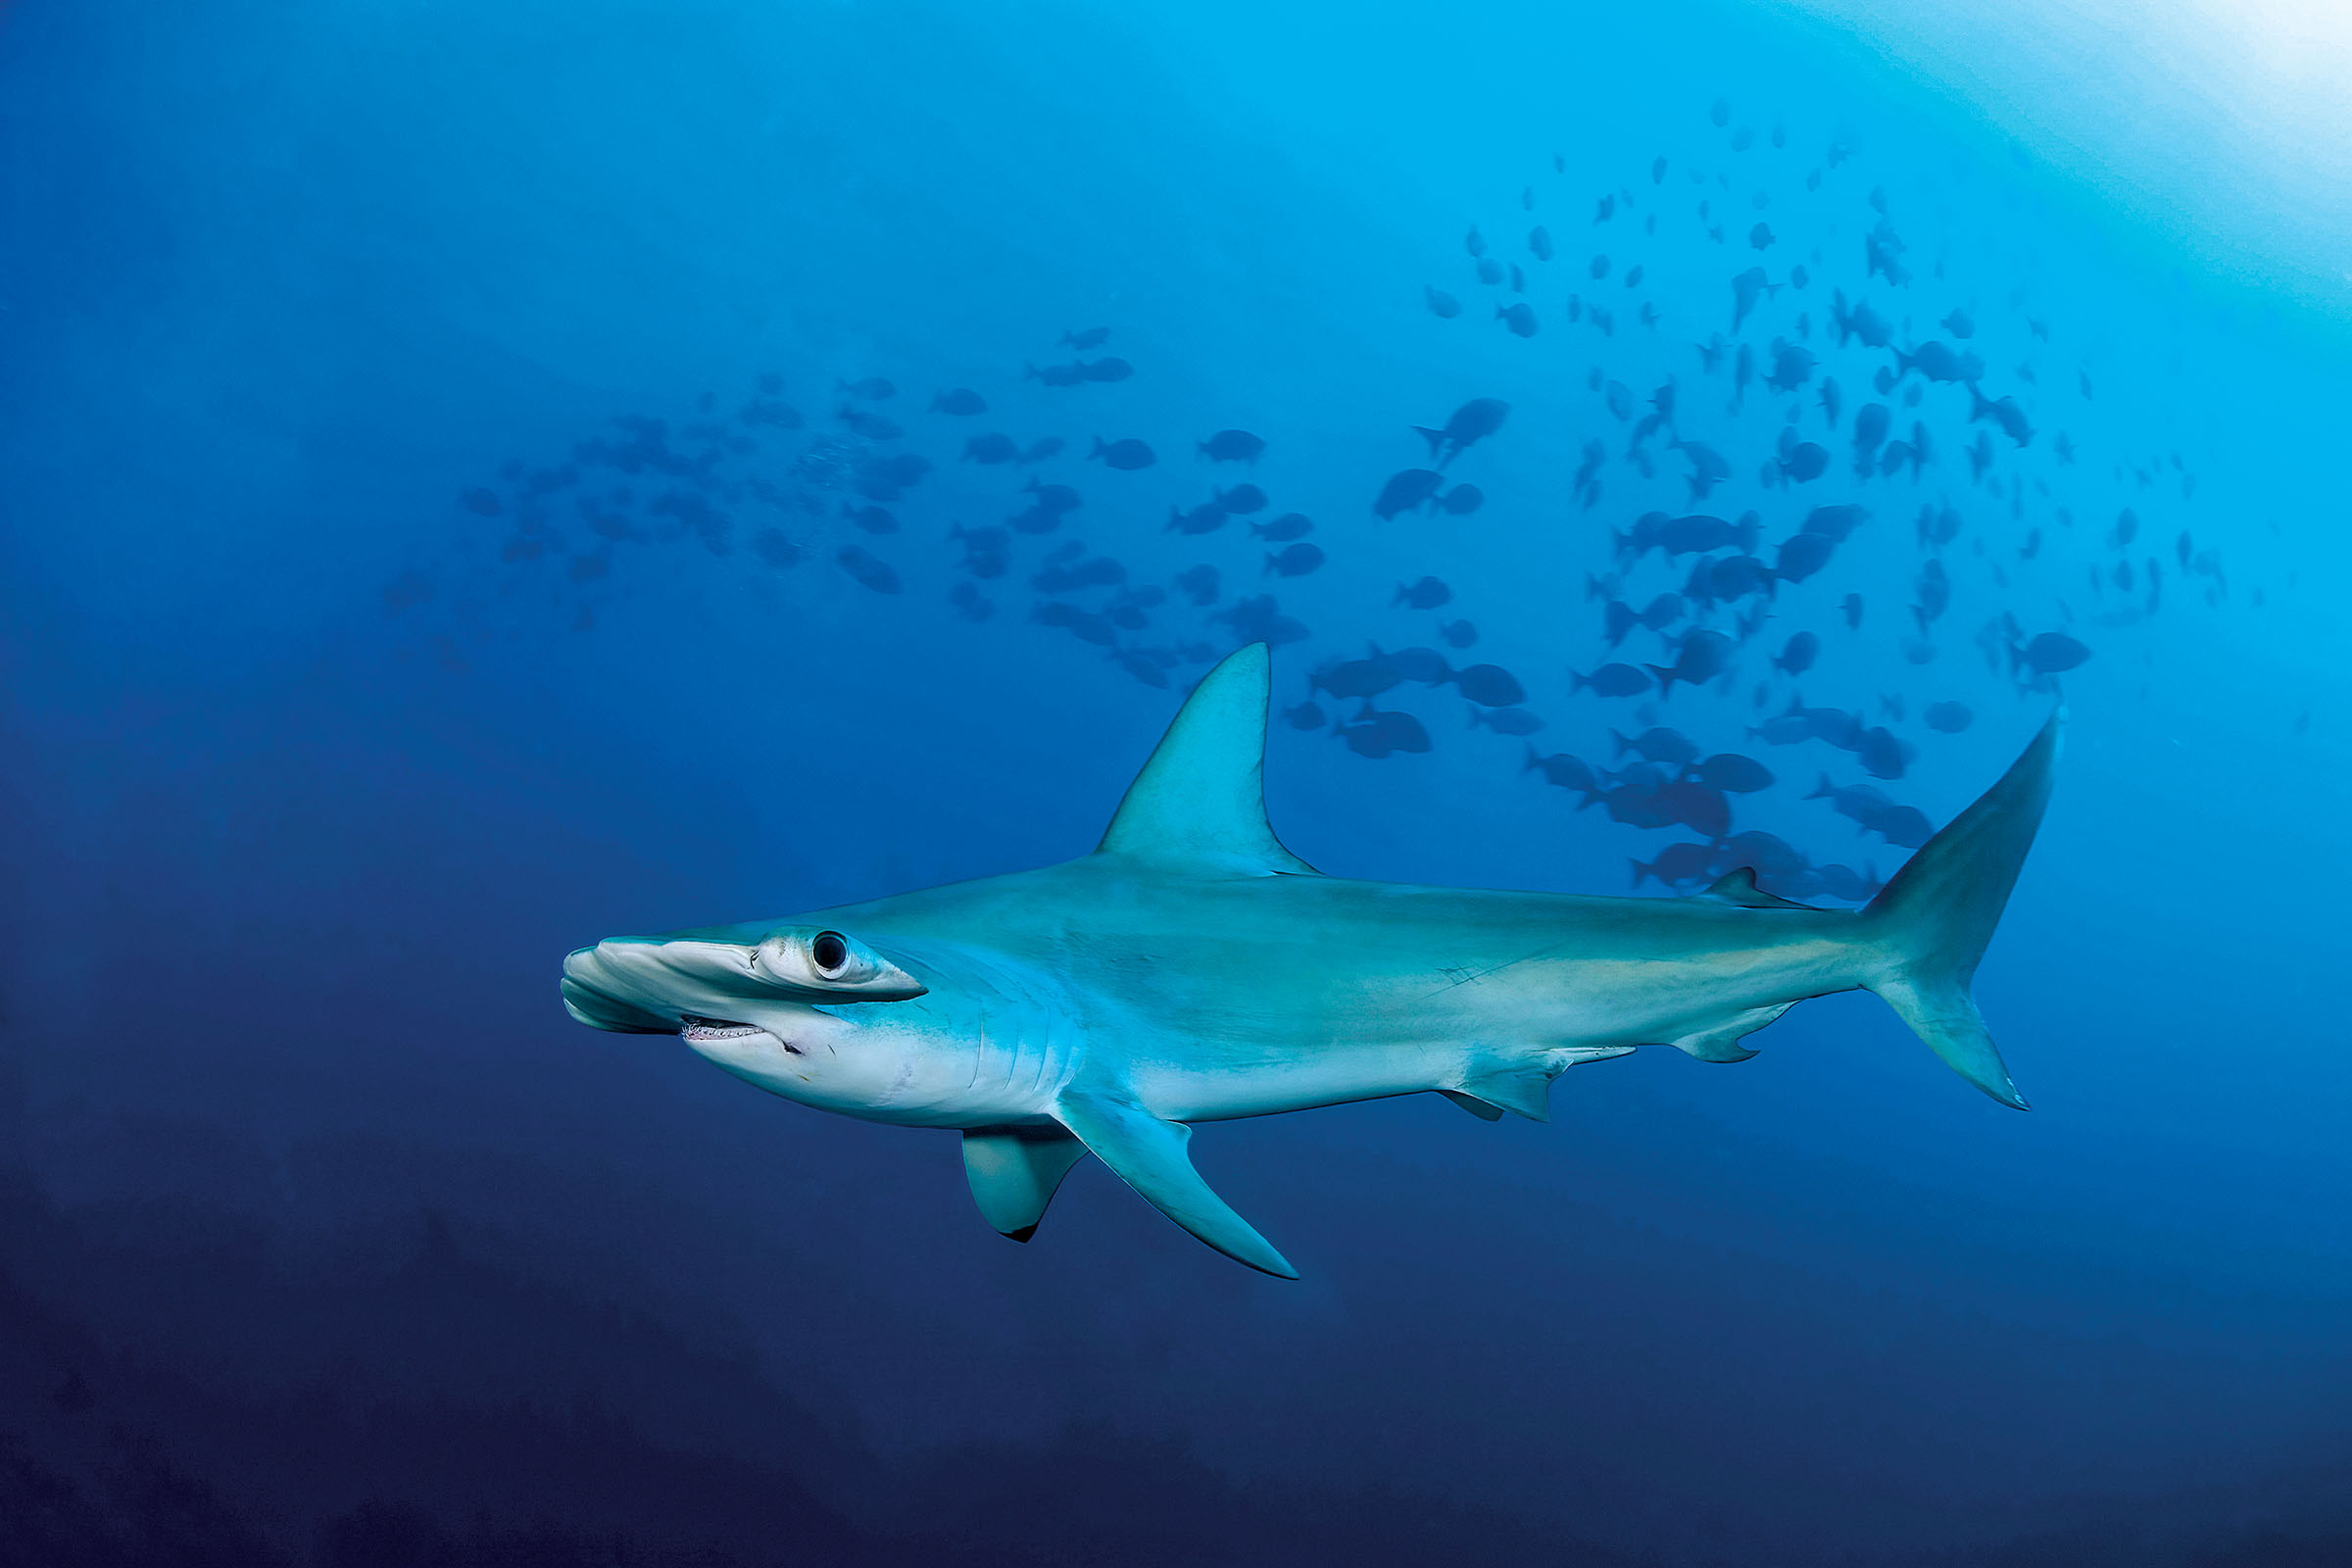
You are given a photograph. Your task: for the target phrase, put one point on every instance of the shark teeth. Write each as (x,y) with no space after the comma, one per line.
(693,1027)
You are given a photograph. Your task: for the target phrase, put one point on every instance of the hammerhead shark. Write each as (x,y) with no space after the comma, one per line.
(1192,969)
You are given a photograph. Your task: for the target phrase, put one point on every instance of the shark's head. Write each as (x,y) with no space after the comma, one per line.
(786,1006)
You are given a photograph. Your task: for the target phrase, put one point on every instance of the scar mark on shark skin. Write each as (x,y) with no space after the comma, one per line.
(1458,975)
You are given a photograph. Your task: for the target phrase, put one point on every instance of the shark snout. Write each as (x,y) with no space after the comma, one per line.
(637,985)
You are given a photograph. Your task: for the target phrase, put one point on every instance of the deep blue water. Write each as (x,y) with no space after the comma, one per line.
(424,476)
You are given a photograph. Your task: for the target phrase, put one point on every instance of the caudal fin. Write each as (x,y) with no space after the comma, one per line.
(1932,921)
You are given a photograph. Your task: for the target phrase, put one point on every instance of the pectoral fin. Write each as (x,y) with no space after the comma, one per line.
(1014,1172)
(1149,1155)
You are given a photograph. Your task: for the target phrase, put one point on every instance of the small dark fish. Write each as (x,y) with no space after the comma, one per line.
(874,389)
(482,501)
(1610,681)
(1232,446)
(1696,807)
(1406,490)
(1802,556)
(1468,425)
(1563,769)
(987,551)
(1294,560)
(1426,594)
(1402,731)
(1747,289)
(1949,718)
(1859,320)
(1598,267)
(1734,775)
(1458,634)
(1959,324)
(1490,271)
(1077,574)
(1803,461)
(1506,721)
(1441,304)
(1932,591)
(1127,455)
(1053,498)
(1830,397)
(1306,715)
(2005,412)
(1490,686)
(1044,447)
(1881,754)
(1110,368)
(1474,242)
(1091,338)
(1083,624)
(1850,607)
(1791,366)
(959,401)
(1836,523)
(873,520)
(1938,360)
(969,602)
(1797,656)
(1668,748)
(1703,656)
(1206,518)
(1243,500)
(1519,318)
(1461,501)
(1761,236)
(1708,468)
(1290,526)
(1425,667)
(1354,677)
(872,426)
(1678,865)
(1200,584)
(992,448)
(1057,375)
(2053,653)
(869,569)
(1538,243)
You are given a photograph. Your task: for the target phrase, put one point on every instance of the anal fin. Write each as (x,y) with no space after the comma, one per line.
(1149,1154)
(1014,1172)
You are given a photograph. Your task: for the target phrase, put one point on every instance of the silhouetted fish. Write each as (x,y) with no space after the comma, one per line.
(1127,454)
(869,569)
(1232,446)
(1426,594)
(1406,490)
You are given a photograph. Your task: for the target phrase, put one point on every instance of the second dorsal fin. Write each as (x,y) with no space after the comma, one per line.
(1200,800)
(1739,887)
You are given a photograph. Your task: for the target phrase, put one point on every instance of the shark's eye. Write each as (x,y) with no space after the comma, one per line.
(830,953)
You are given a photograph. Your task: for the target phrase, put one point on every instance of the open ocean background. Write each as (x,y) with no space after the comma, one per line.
(424,491)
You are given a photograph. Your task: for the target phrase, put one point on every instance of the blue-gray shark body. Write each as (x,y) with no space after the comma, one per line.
(1192,969)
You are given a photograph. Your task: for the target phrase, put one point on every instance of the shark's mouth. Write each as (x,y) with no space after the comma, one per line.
(693,1026)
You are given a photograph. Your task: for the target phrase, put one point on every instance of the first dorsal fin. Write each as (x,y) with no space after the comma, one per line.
(1200,800)
(1739,887)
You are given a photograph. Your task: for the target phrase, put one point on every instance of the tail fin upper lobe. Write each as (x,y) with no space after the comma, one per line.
(1932,921)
